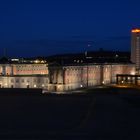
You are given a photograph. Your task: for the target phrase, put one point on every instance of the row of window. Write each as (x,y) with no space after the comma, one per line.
(27,80)
(23,69)
(30,66)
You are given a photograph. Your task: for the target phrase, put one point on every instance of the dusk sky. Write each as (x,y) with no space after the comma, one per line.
(46,27)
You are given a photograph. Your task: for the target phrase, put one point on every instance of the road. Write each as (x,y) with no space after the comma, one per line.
(100,115)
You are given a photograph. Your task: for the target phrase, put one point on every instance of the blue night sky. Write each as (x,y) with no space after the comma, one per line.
(46,27)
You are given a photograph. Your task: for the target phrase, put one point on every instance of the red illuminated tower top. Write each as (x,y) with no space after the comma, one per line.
(135,30)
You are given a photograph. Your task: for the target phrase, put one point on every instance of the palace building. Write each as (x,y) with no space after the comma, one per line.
(65,74)
(98,68)
(64,77)
(70,77)
(23,74)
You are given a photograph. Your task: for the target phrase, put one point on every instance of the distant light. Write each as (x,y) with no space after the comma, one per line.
(15,59)
(42,85)
(37,61)
(135,31)
(35,86)
(103,82)
(42,61)
(133,73)
(81,86)
(5,84)
(122,82)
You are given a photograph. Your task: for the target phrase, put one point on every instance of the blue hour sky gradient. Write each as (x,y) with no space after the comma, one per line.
(46,27)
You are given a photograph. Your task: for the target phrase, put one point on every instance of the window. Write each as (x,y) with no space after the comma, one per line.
(22,80)
(12,80)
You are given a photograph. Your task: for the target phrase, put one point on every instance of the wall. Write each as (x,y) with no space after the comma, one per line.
(23,81)
(24,75)
(122,69)
(22,69)
(74,77)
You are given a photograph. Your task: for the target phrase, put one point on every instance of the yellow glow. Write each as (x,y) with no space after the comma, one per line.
(37,61)
(135,31)
(5,84)
(133,73)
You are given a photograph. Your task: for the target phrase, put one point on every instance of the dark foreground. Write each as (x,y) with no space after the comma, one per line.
(100,114)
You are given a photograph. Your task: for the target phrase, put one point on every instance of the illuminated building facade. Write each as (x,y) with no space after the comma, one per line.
(60,77)
(135,48)
(23,75)
(69,77)
(70,72)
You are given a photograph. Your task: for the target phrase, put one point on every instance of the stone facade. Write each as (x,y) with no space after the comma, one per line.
(61,77)
(23,69)
(64,78)
(25,81)
(23,75)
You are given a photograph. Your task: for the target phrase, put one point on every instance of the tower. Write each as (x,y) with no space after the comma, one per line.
(135,48)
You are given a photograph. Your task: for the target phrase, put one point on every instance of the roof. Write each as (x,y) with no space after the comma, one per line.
(91,57)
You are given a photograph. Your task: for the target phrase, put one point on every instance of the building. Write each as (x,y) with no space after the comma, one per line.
(69,73)
(70,77)
(135,48)
(23,75)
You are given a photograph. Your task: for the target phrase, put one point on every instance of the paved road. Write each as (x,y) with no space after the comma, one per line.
(102,115)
